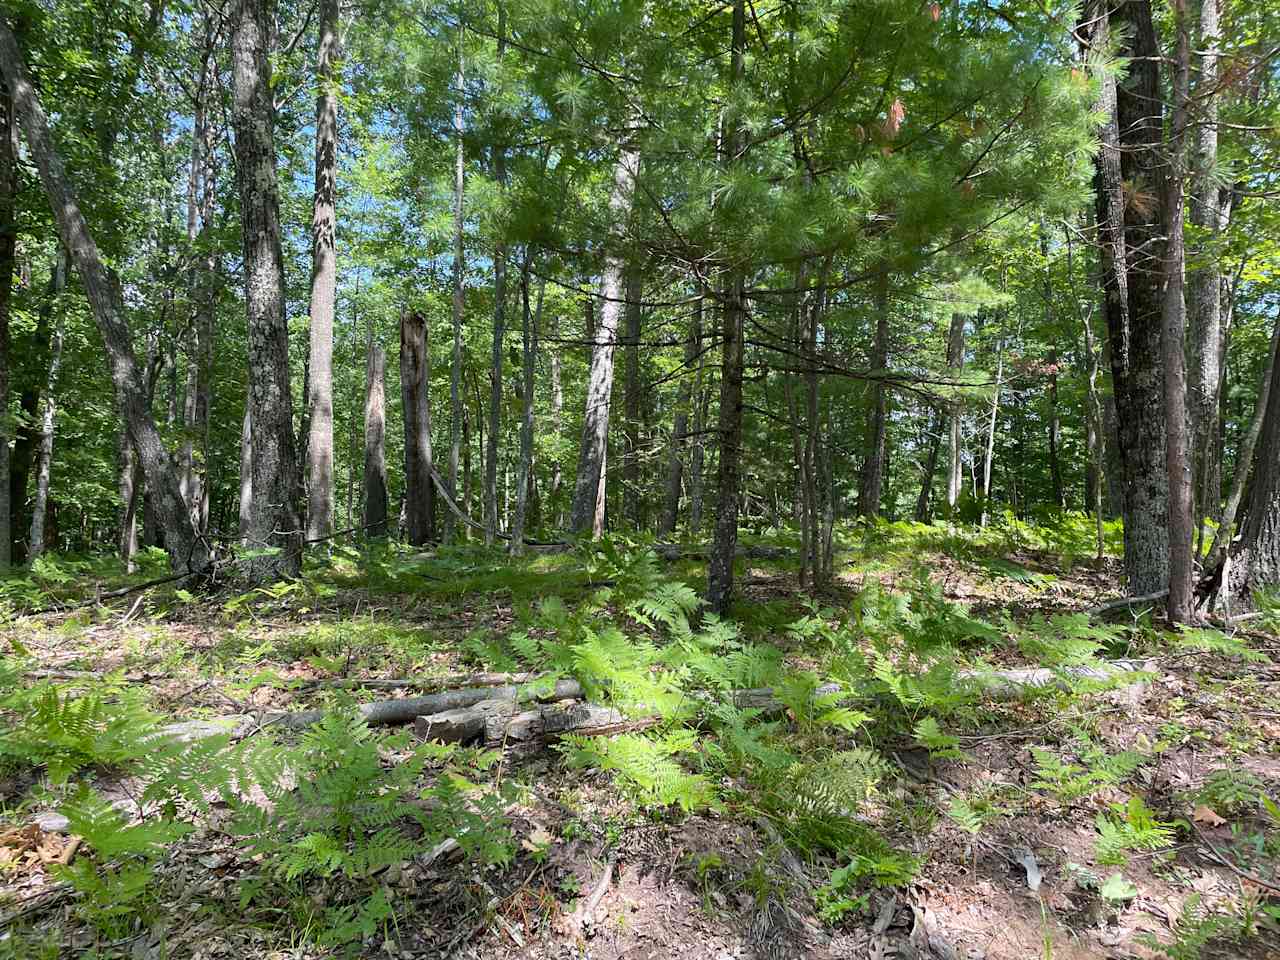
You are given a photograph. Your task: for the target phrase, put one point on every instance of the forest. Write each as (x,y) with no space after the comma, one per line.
(639,478)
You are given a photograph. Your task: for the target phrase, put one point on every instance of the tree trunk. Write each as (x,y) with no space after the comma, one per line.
(246,472)
(680,426)
(955,363)
(871,485)
(928,470)
(44,456)
(324,281)
(557,413)
(374,517)
(1171,177)
(1255,561)
(1130,234)
(595,430)
(495,379)
(186,551)
(459,266)
(1055,434)
(631,404)
(273,518)
(415,388)
(988,459)
(702,400)
(529,324)
(130,483)
(8,249)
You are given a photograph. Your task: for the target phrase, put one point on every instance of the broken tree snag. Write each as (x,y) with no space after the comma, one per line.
(463,724)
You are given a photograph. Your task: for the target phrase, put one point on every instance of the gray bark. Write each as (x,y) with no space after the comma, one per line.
(529,324)
(415,388)
(44,455)
(871,485)
(557,413)
(130,488)
(1130,232)
(680,426)
(456,415)
(273,522)
(955,363)
(186,551)
(374,516)
(324,280)
(631,493)
(587,490)
(8,248)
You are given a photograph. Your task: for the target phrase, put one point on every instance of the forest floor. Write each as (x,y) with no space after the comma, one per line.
(1125,819)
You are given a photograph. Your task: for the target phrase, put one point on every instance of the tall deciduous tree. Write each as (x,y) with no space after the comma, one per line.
(186,550)
(324,277)
(273,519)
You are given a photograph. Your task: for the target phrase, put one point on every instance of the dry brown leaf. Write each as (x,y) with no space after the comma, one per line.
(1207,816)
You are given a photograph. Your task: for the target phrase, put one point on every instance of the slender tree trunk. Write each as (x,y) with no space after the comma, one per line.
(871,485)
(1055,435)
(8,249)
(929,469)
(955,363)
(1255,559)
(1244,456)
(374,517)
(529,324)
(495,375)
(130,483)
(702,399)
(989,457)
(415,383)
(456,414)
(274,521)
(557,413)
(246,472)
(186,551)
(680,426)
(44,457)
(631,403)
(324,281)
(590,479)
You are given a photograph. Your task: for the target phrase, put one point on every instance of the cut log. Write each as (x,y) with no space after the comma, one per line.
(452,714)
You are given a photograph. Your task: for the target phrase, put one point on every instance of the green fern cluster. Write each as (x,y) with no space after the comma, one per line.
(1070,781)
(1128,827)
(647,767)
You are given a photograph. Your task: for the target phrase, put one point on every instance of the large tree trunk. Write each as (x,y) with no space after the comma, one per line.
(459,279)
(374,516)
(246,473)
(324,281)
(274,520)
(595,420)
(415,384)
(631,492)
(530,320)
(1173,326)
(44,456)
(8,248)
(186,550)
(1130,235)
(871,483)
(1210,212)
(680,426)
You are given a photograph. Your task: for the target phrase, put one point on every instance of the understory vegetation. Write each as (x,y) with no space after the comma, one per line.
(867,763)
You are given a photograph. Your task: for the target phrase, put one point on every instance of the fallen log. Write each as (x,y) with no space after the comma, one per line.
(995,684)
(498,722)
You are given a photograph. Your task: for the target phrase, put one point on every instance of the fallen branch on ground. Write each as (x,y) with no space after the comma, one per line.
(464,712)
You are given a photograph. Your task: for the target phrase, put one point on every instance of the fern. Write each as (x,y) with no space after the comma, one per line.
(1206,640)
(645,766)
(930,736)
(1130,826)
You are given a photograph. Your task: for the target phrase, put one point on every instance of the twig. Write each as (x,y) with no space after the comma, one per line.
(1242,874)
(597,894)
(1124,602)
